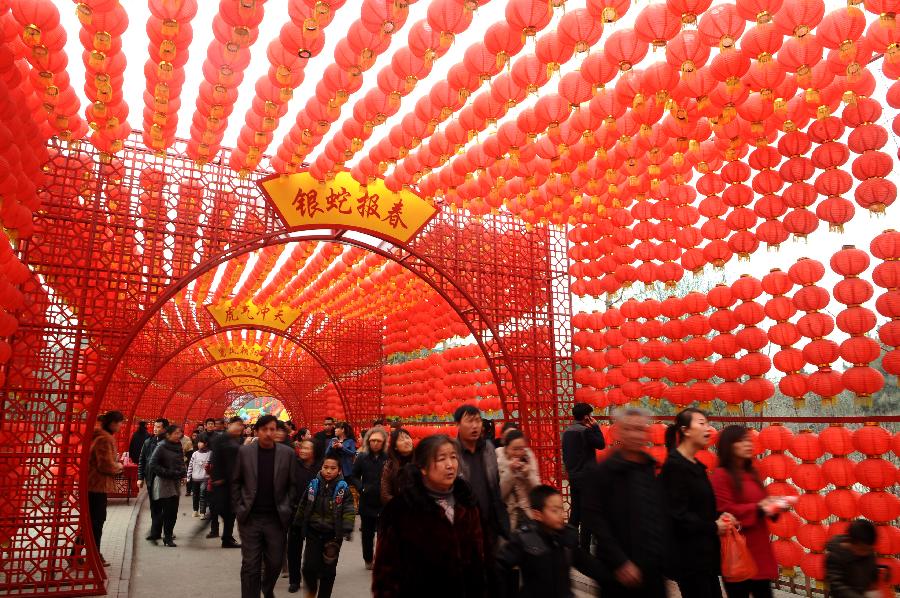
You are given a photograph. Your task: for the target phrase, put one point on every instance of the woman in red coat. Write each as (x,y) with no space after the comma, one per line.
(739,491)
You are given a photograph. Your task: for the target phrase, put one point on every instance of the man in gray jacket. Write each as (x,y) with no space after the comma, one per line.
(262,492)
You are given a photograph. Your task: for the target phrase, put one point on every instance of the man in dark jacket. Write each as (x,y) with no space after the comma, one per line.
(262,494)
(623,508)
(222,461)
(545,549)
(323,438)
(478,466)
(138,439)
(580,443)
(145,476)
(850,567)
(366,478)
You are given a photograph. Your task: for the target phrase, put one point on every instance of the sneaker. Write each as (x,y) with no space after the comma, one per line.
(196,514)
(103,561)
(293,588)
(204,517)
(231,544)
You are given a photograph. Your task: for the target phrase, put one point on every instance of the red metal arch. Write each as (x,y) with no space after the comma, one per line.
(406,256)
(284,387)
(197,339)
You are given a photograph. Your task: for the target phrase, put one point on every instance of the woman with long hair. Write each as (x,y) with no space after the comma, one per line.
(395,475)
(740,491)
(343,447)
(430,540)
(366,478)
(694,522)
(103,467)
(518,474)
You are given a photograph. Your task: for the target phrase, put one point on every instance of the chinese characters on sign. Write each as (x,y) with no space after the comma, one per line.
(304,202)
(223,352)
(250,314)
(241,368)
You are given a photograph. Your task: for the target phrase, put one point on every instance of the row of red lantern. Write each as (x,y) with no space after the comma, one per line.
(438,383)
(301,39)
(299,254)
(618,351)
(102,27)
(311,271)
(869,199)
(426,323)
(235,28)
(169,34)
(481,62)
(886,247)
(40,40)
(356,53)
(633,40)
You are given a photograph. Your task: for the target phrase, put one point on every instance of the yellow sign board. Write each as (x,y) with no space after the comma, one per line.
(241,351)
(250,314)
(241,368)
(342,202)
(248,381)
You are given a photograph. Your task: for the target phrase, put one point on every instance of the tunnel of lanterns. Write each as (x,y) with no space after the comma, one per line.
(583,162)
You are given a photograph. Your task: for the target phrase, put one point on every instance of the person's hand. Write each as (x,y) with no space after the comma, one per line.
(140,484)
(629,575)
(724,523)
(768,505)
(119,468)
(516,465)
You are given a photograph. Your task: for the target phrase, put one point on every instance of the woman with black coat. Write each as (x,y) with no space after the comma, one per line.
(399,455)
(430,540)
(167,466)
(695,525)
(366,478)
(137,442)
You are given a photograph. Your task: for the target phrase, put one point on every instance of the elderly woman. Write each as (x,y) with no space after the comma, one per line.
(366,478)
(430,541)
(518,474)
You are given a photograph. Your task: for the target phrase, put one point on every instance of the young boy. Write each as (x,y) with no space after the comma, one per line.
(850,568)
(326,515)
(197,476)
(545,549)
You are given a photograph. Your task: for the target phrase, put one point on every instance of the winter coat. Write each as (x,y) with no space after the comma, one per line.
(103,467)
(623,507)
(847,574)
(196,470)
(545,558)
(326,509)
(694,547)
(421,553)
(494,518)
(305,474)
(245,482)
(321,442)
(580,444)
(222,462)
(744,505)
(144,472)
(346,453)
(366,478)
(394,477)
(167,467)
(514,487)
(138,439)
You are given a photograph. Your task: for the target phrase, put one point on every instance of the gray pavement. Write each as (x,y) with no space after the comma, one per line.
(199,568)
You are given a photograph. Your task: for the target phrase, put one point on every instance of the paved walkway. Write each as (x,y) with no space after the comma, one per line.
(199,568)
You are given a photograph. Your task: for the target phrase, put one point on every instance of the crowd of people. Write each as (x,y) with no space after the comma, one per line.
(456,516)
